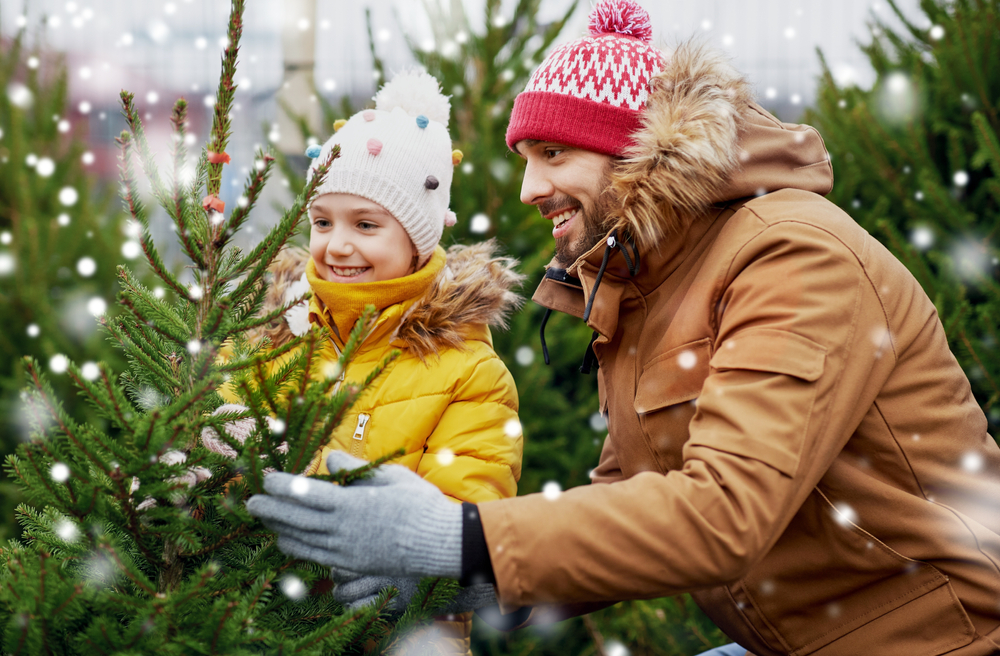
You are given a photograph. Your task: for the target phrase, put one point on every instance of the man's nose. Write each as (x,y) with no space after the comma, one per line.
(536,185)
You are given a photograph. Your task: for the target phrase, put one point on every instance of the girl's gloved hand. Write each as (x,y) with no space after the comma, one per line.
(354,591)
(238,429)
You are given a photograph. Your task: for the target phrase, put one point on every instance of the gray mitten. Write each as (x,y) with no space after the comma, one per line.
(393,524)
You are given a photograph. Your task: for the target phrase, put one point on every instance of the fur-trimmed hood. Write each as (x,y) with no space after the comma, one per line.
(476,288)
(704,141)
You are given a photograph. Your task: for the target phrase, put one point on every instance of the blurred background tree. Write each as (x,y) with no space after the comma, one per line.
(917,163)
(60,236)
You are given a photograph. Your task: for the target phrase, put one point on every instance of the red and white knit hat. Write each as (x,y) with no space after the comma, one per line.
(590,93)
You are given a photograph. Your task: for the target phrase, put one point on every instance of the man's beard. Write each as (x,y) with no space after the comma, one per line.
(596,223)
(595,227)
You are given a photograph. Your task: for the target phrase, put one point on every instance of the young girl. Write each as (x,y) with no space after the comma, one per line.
(447,400)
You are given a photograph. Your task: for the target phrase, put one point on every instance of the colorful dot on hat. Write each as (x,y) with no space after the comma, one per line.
(313,151)
(431,182)
(339,123)
(369,115)
(374,146)
(456,157)
(422,121)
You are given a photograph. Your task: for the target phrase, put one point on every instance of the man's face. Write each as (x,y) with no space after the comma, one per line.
(568,186)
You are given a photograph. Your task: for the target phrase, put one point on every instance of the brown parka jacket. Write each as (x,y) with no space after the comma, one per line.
(790,438)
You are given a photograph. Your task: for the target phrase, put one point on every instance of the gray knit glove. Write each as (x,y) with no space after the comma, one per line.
(354,591)
(392,524)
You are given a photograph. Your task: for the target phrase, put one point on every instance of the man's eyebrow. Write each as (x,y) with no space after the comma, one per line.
(528,142)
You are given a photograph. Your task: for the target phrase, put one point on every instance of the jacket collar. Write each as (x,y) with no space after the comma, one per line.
(475,290)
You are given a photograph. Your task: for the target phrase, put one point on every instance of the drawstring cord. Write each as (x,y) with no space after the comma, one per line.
(541,334)
(633,268)
(590,358)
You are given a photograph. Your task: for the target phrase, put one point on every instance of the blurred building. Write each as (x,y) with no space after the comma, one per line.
(164,49)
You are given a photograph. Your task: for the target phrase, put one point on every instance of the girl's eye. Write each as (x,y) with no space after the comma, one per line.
(365,225)
(321,222)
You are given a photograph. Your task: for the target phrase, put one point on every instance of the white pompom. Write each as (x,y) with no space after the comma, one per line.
(417,93)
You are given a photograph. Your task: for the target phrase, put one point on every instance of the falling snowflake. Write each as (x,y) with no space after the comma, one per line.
(445,457)
(844,515)
(898,98)
(972,462)
(936,32)
(66,530)
(20,95)
(90,371)
(598,422)
(961,178)
(512,428)
(479,224)
(59,472)
(615,648)
(97,306)
(922,238)
(68,196)
(300,485)
(45,167)
(687,360)
(33,330)
(86,266)
(58,363)
(7,264)
(524,356)
(552,490)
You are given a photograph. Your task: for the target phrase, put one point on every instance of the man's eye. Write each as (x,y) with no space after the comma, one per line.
(552,152)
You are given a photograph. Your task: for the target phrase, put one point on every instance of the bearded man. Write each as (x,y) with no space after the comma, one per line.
(790,439)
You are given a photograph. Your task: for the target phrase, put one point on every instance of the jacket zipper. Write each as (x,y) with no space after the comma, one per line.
(358,439)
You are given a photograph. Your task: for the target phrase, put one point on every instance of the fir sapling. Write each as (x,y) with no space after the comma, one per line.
(138,541)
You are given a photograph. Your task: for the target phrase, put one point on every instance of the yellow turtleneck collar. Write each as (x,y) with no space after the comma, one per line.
(342,303)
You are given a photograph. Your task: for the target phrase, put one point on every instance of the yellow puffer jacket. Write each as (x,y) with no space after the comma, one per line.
(448,400)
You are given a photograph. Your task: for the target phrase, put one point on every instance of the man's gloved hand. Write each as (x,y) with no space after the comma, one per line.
(392,524)
(354,591)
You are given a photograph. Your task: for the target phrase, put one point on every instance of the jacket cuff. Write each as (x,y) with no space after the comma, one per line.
(476,565)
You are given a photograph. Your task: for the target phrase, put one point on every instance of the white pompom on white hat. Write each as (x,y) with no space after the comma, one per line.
(398,155)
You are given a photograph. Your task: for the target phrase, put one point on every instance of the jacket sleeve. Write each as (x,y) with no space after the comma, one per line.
(474,453)
(608,470)
(800,353)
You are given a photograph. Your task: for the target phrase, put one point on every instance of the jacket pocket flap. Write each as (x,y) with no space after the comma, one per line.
(770,350)
(674,377)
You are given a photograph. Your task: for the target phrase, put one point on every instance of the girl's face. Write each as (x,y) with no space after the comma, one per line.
(356,240)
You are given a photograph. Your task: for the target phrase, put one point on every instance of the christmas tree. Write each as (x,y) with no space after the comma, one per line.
(57,240)
(917,159)
(139,541)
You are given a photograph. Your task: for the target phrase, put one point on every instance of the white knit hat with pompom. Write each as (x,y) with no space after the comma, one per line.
(398,155)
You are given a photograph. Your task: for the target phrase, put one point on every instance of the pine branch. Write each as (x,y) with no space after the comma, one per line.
(179,213)
(130,195)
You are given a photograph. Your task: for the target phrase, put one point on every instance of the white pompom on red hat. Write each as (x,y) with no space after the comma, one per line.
(590,93)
